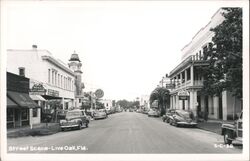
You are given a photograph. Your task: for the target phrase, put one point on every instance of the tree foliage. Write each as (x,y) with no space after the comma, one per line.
(225,55)
(161,94)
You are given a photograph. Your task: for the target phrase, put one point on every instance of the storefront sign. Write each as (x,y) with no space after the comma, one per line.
(183,95)
(99,93)
(37,89)
(52,92)
(170,86)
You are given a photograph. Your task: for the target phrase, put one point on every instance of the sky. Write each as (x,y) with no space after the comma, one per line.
(125,47)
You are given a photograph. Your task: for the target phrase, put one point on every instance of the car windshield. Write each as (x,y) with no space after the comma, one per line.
(73,113)
(183,113)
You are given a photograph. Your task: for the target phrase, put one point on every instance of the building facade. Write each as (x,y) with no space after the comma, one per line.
(188,80)
(75,65)
(21,109)
(49,77)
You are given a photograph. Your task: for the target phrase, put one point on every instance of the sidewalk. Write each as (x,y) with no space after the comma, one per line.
(37,130)
(212,125)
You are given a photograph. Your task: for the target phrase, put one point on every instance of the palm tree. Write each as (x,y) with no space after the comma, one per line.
(161,94)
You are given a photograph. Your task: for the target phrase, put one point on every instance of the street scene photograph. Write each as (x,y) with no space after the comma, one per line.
(125,77)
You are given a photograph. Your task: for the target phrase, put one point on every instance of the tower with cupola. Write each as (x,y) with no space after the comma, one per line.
(76,65)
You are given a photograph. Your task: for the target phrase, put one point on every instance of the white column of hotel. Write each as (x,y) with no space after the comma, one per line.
(186,101)
(173,99)
(225,104)
(193,101)
(202,105)
(210,107)
(177,102)
(192,75)
(216,106)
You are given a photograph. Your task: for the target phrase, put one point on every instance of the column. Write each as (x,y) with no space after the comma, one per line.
(63,103)
(192,75)
(177,102)
(216,106)
(186,76)
(193,102)
(224,105)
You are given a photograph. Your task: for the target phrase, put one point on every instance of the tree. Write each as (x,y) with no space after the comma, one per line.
(161,94)
(225,56)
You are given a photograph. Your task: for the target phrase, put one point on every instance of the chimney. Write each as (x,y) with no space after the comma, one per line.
(34,47)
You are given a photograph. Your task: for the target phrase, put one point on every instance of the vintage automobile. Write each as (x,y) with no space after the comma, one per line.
(166,117)
(232,132)
(100,114)
(153,113)
(74,119)
(181,118)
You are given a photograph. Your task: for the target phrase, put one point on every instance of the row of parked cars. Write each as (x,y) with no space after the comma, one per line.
(76,119)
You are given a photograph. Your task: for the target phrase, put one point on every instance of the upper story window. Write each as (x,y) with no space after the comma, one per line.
(21,71)
(48,75)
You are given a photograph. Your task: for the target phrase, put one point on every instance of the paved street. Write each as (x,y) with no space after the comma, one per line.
(126,132)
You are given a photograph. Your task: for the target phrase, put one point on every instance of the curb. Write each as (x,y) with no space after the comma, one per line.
(208,130)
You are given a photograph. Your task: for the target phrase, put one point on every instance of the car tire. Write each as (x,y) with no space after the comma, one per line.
(79,127)
(226,138)
(62,129)
(86,125)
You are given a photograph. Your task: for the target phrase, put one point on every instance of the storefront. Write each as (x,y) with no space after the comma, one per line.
(21,109)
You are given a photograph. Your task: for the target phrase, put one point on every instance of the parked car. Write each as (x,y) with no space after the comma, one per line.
(100,114)
(232,132)
(166,117)
(74,119)
(154,113)
(181,118)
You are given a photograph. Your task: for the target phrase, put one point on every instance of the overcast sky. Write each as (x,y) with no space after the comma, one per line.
(125,47)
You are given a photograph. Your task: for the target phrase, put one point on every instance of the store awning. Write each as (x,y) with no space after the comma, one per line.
(22,99)
(10,103)
(37,98)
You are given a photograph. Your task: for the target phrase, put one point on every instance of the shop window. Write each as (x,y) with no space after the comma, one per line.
(22,71)
(10,115)
(24,114)
(34,112)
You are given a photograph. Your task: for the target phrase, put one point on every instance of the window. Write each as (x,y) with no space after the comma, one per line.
(22,71)
(24,114)
(48,75)
(58,80)
(52,77)
(61,81)
(55,78)
(79,100)
(34,112)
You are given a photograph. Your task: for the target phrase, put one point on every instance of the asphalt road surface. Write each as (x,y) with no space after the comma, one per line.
(125,132)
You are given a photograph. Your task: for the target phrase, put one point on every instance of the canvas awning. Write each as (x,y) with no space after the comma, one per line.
(10,103)
(22,99)
(37,98)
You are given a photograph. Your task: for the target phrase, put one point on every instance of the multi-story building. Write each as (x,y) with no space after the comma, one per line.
(49,77)
(188,80)
(75,65)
